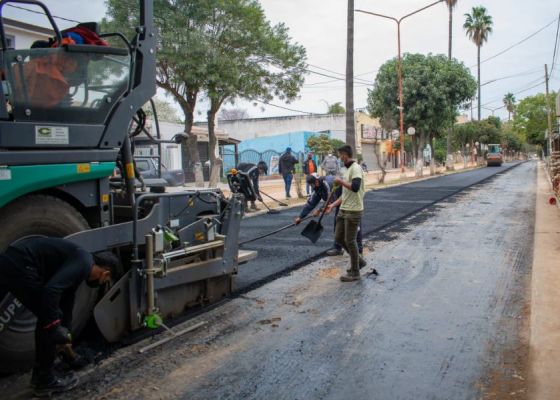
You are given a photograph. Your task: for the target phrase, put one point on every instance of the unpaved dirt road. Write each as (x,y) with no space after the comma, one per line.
(446,319)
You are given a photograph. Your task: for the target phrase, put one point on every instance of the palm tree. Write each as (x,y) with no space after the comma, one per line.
(509,102)
(450,5)
(478,25)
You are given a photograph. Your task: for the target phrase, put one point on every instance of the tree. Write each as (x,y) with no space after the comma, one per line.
(233,114)
(350,124)
(450,6)
(433,88)
(530,118)
(509,102)
(250,59)
(320,145)
(478,26)
(336,108)
(165,111)
(494,121)
(181,56)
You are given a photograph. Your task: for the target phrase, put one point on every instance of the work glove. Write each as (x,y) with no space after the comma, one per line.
(59,335)
(297,221)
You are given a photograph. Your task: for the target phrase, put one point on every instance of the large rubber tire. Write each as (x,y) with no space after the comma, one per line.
(37,215)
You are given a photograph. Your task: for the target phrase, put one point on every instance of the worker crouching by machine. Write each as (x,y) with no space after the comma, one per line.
(249,186)
(44,274)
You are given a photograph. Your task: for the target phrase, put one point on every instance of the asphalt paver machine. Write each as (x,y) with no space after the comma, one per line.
(68,121)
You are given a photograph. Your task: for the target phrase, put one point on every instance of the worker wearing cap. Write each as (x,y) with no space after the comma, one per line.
(351,209)
(44,274)
(320,191)
(254,172)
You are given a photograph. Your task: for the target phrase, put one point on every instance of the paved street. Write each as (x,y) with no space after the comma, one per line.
(446,319)
(382,207)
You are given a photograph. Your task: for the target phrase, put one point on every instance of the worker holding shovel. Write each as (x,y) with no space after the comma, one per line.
(351,209)
(320,191)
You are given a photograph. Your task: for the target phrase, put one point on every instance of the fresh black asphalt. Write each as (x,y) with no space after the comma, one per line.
(285,250)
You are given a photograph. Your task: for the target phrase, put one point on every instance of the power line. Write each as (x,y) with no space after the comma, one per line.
(540,82)
(555,46)
(343,77)
(282,107)
(525,73)
(42,13)
(517,43)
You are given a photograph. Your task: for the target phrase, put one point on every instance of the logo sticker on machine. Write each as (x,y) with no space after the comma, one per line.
(51,135)
(5,174)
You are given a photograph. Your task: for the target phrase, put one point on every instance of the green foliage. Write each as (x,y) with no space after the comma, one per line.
(530,119)
(433,88)
(440,150)
(478,25)
(322,144)
(484,132)
(336,144)
(495,121)
(165,111)
(336,108)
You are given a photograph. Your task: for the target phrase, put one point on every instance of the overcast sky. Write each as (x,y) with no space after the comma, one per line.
(320,25)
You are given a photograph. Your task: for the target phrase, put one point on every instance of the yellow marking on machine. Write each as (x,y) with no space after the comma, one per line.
(83,168)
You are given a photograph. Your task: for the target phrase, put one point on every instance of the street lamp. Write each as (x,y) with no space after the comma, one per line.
(399,66)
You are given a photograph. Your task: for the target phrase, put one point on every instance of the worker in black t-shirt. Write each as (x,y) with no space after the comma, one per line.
(44,274)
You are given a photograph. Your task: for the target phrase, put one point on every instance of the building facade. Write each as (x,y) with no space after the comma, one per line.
(21,35)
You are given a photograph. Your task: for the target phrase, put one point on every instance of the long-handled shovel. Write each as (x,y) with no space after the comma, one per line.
(270,211)
(272,198)
(314,229)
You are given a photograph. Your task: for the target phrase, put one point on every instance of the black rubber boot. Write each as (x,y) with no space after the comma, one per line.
(48,388)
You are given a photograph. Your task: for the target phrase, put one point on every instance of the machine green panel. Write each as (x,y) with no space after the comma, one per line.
(20,180)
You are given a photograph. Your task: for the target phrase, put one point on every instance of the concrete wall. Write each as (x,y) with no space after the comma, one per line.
(258,127)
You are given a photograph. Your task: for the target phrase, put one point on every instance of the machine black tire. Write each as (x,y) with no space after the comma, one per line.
(38,215)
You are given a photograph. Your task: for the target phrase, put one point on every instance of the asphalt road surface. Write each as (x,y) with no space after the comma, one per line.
(446,318)
(288,249)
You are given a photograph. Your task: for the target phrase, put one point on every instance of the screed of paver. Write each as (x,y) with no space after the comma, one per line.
(545,300)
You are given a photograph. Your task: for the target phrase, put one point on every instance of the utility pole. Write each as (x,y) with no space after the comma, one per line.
(548,110)
(350,122)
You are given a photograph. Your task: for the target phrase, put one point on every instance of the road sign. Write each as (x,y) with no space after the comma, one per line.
(411,131)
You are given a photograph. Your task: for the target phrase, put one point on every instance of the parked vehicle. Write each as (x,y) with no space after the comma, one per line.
(494,157)
(148,168)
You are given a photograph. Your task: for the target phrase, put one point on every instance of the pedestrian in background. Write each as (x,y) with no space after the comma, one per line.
(330,165)
(351,209)
(286,167)
(309,168)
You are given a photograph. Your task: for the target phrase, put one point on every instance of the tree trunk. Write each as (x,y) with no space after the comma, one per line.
(463,148)
(215,161)
(382,163)
(350,124)
(190,158)
(432,160)
(479,97)
(420,155)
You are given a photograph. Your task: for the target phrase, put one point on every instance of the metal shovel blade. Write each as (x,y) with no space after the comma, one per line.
(313,231)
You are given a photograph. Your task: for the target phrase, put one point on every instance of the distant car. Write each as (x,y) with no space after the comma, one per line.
(494,157)
(148,167)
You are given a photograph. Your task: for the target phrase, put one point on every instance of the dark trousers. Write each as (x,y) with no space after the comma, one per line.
(358,237)
(25,284)
(288,183)
(346,232)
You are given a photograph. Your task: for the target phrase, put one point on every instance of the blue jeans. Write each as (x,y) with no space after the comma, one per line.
(287,183)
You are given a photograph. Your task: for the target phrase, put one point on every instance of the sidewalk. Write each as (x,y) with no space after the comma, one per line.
(544,354)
